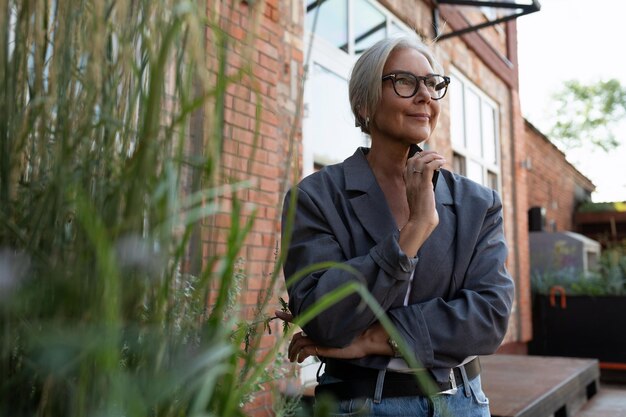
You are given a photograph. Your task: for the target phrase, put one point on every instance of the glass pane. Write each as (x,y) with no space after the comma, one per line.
(457,123)
(475,171)
(369,25)
(330,123)
(492,180)
(472,122)
(489,134)
(332,22)
(458,164)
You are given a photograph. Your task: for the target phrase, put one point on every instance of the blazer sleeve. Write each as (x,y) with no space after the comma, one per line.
(474,321)
(319,234)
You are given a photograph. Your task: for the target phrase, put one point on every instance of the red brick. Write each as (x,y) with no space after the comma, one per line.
(243,135)
(270,117)
(230,146)
(270,185)
(264,170)
(259,253)
(268,62)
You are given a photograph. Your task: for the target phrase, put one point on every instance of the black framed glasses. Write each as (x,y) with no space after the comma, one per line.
(406,84)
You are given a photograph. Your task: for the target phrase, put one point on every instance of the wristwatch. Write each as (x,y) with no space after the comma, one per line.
(394,347)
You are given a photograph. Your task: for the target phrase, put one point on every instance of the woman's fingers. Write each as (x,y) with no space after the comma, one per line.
(300,345)
(424,164)
(283,315)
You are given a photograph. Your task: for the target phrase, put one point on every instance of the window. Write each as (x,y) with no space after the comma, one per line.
(342,31)
(474,132)
(331,23)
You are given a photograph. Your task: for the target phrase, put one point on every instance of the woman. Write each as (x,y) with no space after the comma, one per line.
(430,248)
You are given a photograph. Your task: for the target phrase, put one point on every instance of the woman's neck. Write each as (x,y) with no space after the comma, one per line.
(387,160)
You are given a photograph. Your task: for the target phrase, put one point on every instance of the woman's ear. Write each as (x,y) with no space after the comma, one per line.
(362,120)
(362,117)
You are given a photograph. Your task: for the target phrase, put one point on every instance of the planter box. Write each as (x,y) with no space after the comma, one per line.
(580,326)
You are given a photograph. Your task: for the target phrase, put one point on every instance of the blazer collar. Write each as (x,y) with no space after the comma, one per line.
(359,177)
(366,197)
(368,200)
(358,174)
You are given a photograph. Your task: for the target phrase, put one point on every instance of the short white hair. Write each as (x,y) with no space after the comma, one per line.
(365,87)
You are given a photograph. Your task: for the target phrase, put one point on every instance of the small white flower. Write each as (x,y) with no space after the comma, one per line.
(13,269)
(139,253)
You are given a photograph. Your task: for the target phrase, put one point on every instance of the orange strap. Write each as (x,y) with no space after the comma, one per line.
(553,291)
(613,366)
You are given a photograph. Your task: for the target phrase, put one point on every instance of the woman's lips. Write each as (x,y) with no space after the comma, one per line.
(424,116)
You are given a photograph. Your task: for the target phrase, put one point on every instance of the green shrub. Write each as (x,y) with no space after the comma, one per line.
(607,278)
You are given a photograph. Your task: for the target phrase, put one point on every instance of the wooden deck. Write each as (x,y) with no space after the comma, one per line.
(536,386)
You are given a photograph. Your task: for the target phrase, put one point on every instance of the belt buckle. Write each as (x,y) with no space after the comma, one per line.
(453,390)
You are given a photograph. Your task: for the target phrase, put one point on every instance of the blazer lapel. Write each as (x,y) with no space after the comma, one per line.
(367,198)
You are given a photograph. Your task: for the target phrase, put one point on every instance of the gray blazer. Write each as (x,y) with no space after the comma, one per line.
(461,294)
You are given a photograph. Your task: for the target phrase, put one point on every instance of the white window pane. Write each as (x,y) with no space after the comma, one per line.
(369,25)
(332,22)
(475,171)
(457,123)
(489,134)
(330,123)
(472,123)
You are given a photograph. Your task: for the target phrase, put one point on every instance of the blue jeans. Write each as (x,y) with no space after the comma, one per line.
(469,401)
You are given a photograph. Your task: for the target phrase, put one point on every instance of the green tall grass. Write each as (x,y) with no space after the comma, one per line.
(107,306)
(103,299)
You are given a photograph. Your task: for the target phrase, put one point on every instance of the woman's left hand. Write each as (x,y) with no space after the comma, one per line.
(302,346)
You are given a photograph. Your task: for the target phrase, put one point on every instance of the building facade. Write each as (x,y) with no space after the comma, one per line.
(271,140)
(555,187)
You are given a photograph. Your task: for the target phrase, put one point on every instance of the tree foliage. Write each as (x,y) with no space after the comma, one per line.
(588,114)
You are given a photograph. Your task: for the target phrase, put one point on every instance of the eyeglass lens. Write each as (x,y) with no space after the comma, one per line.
(406,85)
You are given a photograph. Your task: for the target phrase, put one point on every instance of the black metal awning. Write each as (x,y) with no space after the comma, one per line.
(517,8)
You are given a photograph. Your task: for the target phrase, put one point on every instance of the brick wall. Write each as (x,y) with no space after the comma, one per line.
(265,47)
(552,181)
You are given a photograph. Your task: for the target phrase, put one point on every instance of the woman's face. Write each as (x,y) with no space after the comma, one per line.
(408,120)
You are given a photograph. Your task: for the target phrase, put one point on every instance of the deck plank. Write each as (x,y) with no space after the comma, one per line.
(537,386)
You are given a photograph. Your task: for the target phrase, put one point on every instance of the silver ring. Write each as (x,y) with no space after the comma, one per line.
(416,171)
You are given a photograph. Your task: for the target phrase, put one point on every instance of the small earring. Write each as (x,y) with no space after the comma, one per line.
(367,122)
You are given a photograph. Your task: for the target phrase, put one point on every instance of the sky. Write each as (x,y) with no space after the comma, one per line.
(583,40)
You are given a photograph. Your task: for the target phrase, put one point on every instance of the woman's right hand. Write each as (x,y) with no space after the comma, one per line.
(420,195)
